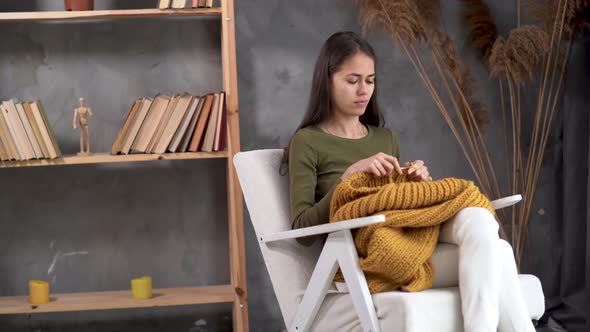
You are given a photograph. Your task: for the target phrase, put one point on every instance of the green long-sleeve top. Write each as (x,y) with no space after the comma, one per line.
(317,160)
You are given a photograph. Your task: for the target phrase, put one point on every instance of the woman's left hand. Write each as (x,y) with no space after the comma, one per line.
(417,171)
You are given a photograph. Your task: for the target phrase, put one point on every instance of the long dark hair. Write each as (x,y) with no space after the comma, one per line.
(337,49)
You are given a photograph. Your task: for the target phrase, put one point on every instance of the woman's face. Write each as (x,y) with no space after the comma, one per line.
(353,85)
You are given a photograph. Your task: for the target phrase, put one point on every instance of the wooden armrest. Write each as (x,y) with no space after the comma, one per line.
(323,229)
(506,201)
(359,222)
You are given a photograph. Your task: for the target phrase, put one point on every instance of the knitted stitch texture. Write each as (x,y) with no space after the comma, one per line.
(396,254)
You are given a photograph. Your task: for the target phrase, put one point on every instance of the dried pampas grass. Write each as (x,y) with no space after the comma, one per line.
(481,29)
(430,12)
(545,11)
(520,55)
(472,109)
(398,18)
(524,50)
(497,62)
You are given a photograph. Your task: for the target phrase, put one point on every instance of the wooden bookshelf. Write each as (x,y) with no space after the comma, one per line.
(118,300)
(105,14)
(236,292)
(100,158)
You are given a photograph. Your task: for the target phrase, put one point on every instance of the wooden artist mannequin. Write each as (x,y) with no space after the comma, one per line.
(81,114)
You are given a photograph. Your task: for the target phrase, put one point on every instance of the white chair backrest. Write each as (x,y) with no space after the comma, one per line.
(266,193)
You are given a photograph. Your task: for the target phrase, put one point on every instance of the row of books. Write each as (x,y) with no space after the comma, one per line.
(180,4)
(25,132)
(178,123)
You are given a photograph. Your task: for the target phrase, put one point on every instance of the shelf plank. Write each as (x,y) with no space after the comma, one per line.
(108,158)
(118,300)
(105,14)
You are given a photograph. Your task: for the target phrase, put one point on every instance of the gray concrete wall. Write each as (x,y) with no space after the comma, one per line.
(94,227)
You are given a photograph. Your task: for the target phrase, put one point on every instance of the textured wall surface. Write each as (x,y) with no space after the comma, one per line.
(94,227)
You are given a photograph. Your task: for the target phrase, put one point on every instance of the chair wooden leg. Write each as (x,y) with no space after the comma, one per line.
(323,274)
(356,282)
(338,250)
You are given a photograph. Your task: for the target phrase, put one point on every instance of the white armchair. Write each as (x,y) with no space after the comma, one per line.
(302,277)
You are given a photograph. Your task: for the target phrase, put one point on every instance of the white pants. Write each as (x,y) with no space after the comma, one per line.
(491,298)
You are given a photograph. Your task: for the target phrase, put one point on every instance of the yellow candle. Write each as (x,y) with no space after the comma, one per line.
(38,292)
(141,288)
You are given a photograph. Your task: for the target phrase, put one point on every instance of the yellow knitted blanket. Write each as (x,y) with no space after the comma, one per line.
(396,253)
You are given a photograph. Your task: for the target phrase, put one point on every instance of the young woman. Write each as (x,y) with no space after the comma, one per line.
(342,133)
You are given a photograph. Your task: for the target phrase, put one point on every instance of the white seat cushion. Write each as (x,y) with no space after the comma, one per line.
(437,309)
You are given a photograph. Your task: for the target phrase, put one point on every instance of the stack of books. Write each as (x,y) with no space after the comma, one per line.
(180,4)
(178,123)
(25,133)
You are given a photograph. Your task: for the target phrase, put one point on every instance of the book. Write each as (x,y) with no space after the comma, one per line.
(162,124)
(221,128)
(208,140)
(164,4)
(191,126)
(44,129)
(36,129)
(150,123)
(197,137)
(29,130)
(7,137)
(21,140)
(209,3)
(198,3)
(3,154)
(18,150)
(178,4)
(125,127)
(176,117)
(135,125)
(53,141)
(184,124)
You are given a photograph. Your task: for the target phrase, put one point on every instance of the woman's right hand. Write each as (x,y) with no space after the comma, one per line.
(379,165)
